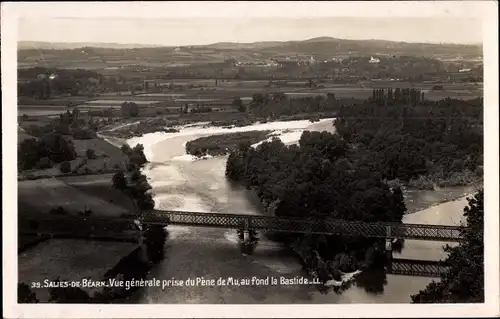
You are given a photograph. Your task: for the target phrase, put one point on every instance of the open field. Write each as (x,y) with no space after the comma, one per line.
(107,158)
(69,259)
(101,147)
(99,186)
(40,196)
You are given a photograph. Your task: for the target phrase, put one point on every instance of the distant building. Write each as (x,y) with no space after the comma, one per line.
(464,70)
(374,60)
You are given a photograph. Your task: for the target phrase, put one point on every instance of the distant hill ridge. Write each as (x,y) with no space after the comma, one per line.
(41,45)
(22,45)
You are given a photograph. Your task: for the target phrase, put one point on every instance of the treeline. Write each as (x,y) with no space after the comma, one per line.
(44,152)
(224,143)
(408,141)
(136,185)
(44,83)
(33,73)
(397,96)
(69,123)
(278,104)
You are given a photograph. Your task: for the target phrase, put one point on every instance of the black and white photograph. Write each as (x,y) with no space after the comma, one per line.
(294,154)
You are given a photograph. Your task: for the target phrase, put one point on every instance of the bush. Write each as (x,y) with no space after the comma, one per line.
(65,167)
(90,153)
(119,181)
(44,163)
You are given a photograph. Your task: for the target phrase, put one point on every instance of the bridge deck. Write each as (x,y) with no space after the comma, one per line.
(325,226)
(421,268)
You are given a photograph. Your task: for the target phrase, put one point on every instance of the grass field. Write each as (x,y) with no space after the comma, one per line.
(99,186)
(101,147)
(70,260)
(42,195)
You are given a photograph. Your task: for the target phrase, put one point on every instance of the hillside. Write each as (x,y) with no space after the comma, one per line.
(103,55)
(29,45)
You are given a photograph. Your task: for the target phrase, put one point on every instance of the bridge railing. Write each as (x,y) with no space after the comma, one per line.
(307,225)
(265,223)
(423,268)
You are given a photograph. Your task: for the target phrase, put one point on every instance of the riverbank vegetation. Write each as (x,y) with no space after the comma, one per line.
(464,281)
(392,136)
(224,143)
(135,184)
(437,144)
(319,178)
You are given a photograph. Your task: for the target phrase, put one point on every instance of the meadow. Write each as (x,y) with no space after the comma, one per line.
(41,195)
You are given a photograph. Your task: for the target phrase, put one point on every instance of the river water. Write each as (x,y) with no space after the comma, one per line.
(181,183)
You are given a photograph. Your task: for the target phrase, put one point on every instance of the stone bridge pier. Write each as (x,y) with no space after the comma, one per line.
(388,249)
(248,237)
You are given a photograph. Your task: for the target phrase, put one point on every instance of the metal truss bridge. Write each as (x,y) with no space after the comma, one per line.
(325,226)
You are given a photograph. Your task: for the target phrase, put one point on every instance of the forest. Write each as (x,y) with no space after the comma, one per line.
(351,175)
(403,137)
(44,83)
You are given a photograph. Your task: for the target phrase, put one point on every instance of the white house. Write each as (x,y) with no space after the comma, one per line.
(374,60)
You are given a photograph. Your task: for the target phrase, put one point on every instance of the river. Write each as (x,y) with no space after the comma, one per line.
(181,183)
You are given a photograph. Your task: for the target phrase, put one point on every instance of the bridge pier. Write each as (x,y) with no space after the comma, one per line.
(248,240)
(388,254)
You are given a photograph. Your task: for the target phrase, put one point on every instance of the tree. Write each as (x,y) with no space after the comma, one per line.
(237,104)
(44,163)
(126,149)
(130,109)
(56,148)
(464,281)
(90,153)
(119,181)
(28,153)
(65,167)
(134,109)
(154,238)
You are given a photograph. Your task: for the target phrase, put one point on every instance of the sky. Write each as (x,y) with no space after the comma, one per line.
(207,30)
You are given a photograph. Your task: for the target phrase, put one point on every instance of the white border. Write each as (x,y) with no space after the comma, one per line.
(486,10)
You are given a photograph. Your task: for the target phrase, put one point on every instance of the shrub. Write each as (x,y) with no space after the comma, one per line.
(44,163)
(65,167)
(90,153)
(119,181)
